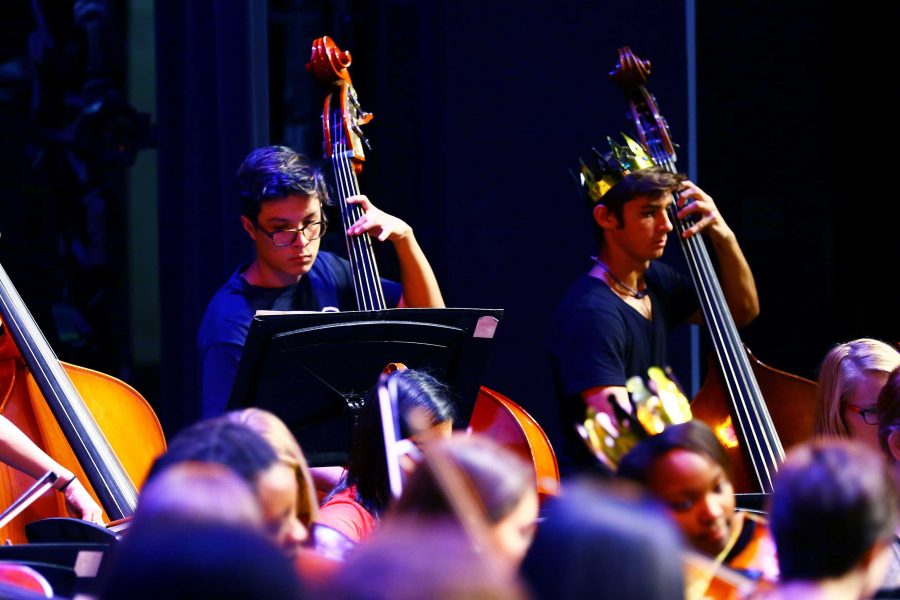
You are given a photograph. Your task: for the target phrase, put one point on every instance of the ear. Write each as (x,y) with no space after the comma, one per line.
(247,224)
(604,218)
(894,444)
(870,555)
(874,564)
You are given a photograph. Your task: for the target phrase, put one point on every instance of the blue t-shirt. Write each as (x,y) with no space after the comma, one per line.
(226,322)
(597,339)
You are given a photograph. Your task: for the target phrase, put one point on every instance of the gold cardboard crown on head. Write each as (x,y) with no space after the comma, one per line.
(652,407)
(611,168)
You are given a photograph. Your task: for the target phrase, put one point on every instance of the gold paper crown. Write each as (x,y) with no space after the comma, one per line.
(652,407)
(612,167)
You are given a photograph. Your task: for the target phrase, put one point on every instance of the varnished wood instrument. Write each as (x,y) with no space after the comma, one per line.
(97,426)
(342,120)
(731,394)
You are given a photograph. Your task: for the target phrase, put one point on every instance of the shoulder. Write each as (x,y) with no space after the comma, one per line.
(585,292)
(754,550)
(664,279)
(665,275)
(588,302)
(328,262)
(343,513)
(230,306)
(330,270)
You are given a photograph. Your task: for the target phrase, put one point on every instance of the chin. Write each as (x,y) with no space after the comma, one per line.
(296,270)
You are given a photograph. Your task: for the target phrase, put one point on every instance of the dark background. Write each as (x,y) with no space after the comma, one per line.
(481,109)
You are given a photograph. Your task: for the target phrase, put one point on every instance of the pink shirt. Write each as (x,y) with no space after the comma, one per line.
(344,513)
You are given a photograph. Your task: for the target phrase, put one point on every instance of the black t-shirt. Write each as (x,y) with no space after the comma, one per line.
(597,339)
(226,322)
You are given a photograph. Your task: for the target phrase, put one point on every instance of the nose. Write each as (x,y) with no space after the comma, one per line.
(710,508)
(665,222)
(296,533)
(300,240)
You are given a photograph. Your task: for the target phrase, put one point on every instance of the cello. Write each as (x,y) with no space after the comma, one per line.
(732,394)
(99,427)
(342,120)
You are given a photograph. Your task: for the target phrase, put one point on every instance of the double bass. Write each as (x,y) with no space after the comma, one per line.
(494,414)
(95,425)
(756,410)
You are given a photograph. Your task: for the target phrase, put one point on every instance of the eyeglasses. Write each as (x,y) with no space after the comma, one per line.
(868,414)
(286,237)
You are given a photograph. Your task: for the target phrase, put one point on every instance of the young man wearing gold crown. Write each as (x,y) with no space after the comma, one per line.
(612,322)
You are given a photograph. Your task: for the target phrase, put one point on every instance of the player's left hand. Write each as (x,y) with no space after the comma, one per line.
(376,222)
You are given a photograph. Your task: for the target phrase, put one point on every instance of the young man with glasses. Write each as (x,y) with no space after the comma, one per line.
(282,198)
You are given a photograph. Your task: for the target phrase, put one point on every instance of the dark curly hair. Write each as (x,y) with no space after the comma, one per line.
(275,172)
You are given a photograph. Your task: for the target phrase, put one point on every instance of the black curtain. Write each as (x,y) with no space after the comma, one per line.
(212,110)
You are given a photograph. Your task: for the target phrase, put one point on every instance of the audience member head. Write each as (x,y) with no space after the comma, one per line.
(279,436)
(600,541)
(425,412)
(850,378)
(686,467)
(201,560)
(406,561)
(248,454)
(196,493)
(833,514)
(888,411)
(502,485)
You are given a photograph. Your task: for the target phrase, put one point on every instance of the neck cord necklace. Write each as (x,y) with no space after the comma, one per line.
(631,291)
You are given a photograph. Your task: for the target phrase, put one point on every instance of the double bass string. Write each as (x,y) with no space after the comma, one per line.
(344,182)
(369,294)
(752,416)
(110,481)
(742,385)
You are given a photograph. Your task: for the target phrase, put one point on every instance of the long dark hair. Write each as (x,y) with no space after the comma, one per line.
(417,391)
(694,436)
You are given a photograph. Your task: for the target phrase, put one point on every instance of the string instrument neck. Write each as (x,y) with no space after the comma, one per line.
(761,441)
(344,142)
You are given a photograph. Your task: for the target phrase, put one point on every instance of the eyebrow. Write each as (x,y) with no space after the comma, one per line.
(279,221)
(657,203)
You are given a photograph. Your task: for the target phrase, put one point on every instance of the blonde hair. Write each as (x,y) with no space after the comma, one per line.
(279,436)
(844,368)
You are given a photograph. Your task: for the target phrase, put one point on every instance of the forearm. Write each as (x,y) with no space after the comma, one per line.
(738,284)
(18,451)
(420,286)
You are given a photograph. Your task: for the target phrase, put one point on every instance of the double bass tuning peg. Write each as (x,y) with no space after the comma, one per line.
(357,130)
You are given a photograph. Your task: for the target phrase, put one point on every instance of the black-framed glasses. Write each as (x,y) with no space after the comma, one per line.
(869,415)
(286,237)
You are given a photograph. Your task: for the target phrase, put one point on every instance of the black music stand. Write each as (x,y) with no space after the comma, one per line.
(314,370)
